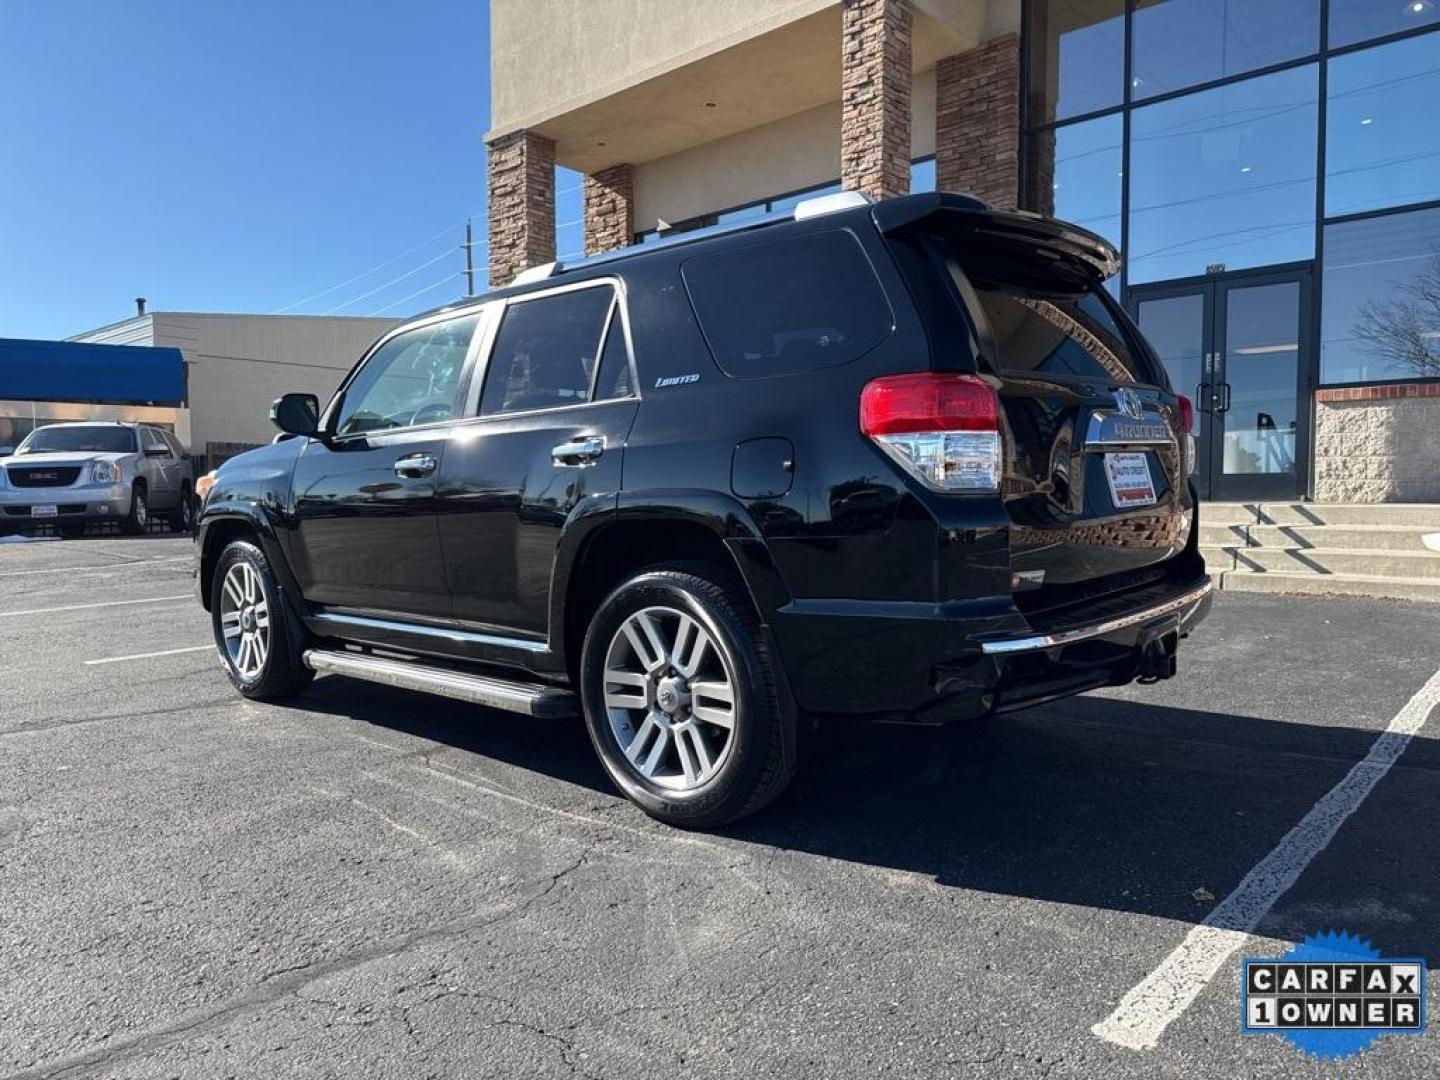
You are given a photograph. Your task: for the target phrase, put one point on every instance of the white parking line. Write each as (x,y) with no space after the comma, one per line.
(149,655)
(89,607)
(108,568)
(1149,1008)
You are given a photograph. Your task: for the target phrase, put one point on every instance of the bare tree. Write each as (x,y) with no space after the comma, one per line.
(1404,333)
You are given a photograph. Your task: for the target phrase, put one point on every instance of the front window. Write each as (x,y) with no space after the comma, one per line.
(1225,176)
(1077,58)
(1180,43)
(1381,316)
(1382,139)
(80,439)
(412,379)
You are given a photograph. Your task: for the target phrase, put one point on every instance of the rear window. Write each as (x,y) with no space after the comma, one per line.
(788,305)
(1061,335)
(1047,312)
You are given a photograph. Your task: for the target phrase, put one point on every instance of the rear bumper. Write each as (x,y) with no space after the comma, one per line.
(930,663)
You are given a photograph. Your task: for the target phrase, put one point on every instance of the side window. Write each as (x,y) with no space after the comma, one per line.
(545,352)
(614,381)
(152,437)
(414,378)
(175,447)
(788,305)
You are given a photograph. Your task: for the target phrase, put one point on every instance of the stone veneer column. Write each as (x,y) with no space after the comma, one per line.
(977,122)
(609,209)
(522,204)
(875,69)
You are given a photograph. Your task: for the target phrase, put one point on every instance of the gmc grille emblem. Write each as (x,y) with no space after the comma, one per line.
(44,476)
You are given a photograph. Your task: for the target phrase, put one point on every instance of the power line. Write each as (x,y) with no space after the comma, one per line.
(393,281)
(367,273)
(419,292)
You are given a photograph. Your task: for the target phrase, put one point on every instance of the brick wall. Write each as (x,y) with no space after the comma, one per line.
(875,59)
(609,209)
(522,204)
(1377,444)
(977,121)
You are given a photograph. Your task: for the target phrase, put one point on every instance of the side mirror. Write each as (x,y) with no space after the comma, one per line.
(296,414)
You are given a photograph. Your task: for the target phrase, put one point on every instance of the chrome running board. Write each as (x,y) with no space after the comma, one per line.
(532,699)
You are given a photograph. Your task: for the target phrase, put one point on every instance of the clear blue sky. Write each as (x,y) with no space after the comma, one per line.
(222,156)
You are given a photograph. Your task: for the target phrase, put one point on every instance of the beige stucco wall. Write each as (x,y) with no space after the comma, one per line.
(1377,451)
(238,364)
(797,152)
(549,56)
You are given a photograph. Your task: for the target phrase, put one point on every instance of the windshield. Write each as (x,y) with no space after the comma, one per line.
(104,439)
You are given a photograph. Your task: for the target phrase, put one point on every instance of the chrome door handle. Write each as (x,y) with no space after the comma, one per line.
(416,466)
(582,451)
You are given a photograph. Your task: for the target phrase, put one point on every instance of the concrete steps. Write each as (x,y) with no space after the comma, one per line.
(1390,550)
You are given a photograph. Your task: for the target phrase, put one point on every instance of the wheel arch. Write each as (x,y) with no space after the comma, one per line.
(217,529)
(599,552)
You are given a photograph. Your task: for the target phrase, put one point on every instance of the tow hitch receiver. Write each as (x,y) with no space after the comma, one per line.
(1157,659)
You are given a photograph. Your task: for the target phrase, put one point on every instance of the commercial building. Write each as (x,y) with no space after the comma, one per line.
(235,366)
(1268,169)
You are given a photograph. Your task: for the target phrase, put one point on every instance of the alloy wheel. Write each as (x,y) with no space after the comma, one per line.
(670,698)
(142,512)
(245,620)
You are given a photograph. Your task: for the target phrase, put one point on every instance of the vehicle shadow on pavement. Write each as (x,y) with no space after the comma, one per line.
(1092,801)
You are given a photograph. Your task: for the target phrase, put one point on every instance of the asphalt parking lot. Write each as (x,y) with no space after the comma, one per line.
(373,883)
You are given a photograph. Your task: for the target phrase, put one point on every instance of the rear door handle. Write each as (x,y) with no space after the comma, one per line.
(582,451)
(415,466)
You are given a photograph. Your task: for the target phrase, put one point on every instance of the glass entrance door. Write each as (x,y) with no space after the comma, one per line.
(1238,346)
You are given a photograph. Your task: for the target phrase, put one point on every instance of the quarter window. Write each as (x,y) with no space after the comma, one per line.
(614,378)
(413,378)
(546,351)
(788,305)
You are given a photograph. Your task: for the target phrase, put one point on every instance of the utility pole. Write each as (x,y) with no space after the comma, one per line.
(469,261)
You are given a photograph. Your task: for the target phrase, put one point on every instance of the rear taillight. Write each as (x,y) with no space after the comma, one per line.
(942,429)
(1187,432)
(1187,414)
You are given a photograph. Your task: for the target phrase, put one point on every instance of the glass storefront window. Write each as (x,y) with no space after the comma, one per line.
(1380,301)
(1074,174)
(1357,20)
(1180,43)
(922,175)
(1076,57)
(1224,176)
(1382,137)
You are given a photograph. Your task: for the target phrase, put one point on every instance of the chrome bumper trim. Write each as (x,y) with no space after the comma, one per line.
(1100,629)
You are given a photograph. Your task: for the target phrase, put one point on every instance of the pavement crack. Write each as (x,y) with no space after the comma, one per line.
(284,983)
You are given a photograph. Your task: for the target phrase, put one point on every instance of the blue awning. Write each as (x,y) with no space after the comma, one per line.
(85,372)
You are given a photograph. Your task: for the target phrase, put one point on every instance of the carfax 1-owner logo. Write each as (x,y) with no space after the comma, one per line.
(1332,996)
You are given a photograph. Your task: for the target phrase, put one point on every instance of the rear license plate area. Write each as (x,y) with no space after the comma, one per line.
(1131,484)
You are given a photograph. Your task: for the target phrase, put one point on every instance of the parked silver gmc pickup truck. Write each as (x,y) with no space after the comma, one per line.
(68,475)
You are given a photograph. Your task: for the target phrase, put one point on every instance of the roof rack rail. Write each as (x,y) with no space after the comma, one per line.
(536,273)
(804,209)
(830,204)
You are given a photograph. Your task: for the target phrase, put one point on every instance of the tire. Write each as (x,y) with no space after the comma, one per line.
(137,521)
(182,520)
(675,695)
(246,606)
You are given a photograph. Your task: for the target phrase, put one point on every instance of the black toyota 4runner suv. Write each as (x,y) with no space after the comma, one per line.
(904,460)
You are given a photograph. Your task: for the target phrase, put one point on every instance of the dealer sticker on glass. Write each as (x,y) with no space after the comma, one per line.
(1130,483)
